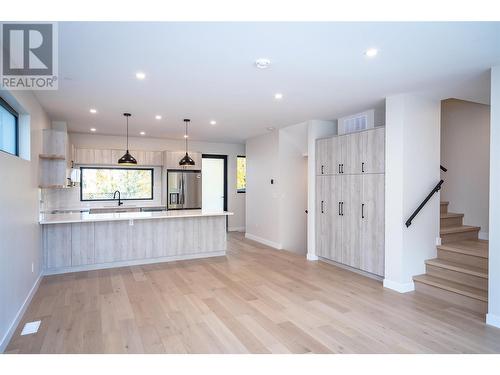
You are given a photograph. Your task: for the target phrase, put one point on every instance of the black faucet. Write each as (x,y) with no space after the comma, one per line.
(119,197)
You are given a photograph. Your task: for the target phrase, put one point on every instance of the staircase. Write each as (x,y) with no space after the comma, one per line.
(459,274)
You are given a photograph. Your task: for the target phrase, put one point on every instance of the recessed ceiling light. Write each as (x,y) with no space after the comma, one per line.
(278,96)
(142,133)
(213,122)
(93,129)
(186,136)
(270,128)
(262,63)
(371,52)
(158,117)
(92,110)
(140,75)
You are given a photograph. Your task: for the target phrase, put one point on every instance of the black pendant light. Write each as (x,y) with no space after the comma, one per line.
(127,159)
(186,160)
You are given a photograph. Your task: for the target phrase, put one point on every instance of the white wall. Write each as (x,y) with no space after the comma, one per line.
(262,197)
(19,228)
(235,201)
(315,129)
(293,187)
(465,151)
(493,316)
(412,170)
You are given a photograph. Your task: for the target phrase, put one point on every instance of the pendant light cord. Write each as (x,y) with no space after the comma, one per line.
(186,136)
(127,133)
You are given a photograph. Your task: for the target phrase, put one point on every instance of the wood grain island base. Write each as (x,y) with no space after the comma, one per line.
(92,243)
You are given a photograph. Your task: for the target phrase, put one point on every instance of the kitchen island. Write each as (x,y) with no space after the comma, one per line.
(84,241)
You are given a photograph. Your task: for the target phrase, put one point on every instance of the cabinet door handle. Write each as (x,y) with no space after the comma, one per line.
(362,210)
(322,169)
(363,167)
(322,207)
(339,209)
(339,169)
(342,209)
(342,169)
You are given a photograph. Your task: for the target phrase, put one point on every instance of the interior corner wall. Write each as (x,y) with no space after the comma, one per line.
(465,152)
(412,170)
(493,317)
(293,187)
(20,240)
(262,196)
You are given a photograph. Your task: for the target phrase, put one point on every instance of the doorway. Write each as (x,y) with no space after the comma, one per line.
(214,186)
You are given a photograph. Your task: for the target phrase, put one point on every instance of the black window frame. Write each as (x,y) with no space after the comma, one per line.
(240,191)
(123,199)
(13,112)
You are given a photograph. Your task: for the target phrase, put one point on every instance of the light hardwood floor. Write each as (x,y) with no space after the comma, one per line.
(255,300)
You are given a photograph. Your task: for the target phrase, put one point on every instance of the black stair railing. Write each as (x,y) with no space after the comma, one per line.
(429,196)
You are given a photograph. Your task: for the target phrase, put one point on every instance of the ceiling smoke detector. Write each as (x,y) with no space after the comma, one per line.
(262,63)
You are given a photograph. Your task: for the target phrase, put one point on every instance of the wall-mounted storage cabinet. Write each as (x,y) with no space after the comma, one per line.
(110,157)
(350,200)
(351,153)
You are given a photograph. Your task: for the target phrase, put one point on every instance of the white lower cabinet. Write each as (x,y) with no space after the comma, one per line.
(350,220)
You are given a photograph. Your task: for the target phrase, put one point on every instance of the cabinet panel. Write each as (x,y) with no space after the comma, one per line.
(323,227)
(84,156)
(323,150)
(82,244)
(352,150)
(57,245)
(373,151)
(116,155)
(335,220)
(111,241)
(103,157)
(372,229)
(351,219)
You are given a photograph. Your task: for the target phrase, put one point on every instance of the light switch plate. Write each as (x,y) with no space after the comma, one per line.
(31,327)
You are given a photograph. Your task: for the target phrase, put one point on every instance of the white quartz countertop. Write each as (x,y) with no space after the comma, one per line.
(85,217)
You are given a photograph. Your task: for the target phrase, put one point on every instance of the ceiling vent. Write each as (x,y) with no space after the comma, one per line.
(361,121)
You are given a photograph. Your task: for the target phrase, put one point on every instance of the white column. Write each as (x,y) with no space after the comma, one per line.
(316,129)
(493,316)
(412,170)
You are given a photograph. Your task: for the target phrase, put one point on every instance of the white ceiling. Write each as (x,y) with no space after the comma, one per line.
(205,71)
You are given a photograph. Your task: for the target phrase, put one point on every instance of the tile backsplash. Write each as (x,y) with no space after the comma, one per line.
(69,198)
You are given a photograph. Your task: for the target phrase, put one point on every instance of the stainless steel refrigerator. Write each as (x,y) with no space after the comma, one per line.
(183,189)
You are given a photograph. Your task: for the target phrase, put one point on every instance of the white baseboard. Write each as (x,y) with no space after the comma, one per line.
(10,332)
(138,262)
(399,287)
(311,256)
(493,320)
(263,241)
(236,229)
(483,235)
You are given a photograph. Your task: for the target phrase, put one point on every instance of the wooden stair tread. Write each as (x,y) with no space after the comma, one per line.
(459,267)
(459,229)
(451,286)
(450,215)
(477,248)
(444,202)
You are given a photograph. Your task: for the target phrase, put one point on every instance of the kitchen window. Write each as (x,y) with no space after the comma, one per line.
(241,174)
(9,132)
(99,184)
